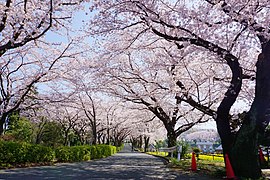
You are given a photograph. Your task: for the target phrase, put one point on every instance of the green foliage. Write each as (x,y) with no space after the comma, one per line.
(14,152)
(52,135)
(185,147)
(100,151)
(74,139)
(196,150)
(160,143)
(20,128)
(119,148)
(106,150)
(72,154)
(83,153)
(93,152)
(39,153)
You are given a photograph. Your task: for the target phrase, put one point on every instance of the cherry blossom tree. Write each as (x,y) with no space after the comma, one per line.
(67,117)
(23,21)
(23,25)
(146,128)
(98,110)
(228,32)
(129,122)
(91,109)
(142,81)
(20,71)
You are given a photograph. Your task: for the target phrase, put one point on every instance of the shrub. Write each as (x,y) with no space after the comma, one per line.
(101,151)
(119,148)
(73,154)
(93,152)
(14,153)
(83,153)
(62,154)
(106,150)
(20,128)
(11,152)
(21,153)
(52,134)
(39,153)
(185,148)
(80,153)
(196,151)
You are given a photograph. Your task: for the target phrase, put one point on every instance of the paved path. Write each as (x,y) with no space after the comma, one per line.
(123,165)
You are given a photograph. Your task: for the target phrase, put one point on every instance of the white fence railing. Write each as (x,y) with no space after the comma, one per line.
(171,150)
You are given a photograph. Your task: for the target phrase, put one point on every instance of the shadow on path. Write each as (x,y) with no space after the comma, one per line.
(123,165)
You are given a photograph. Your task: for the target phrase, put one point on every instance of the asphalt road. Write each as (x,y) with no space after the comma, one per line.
(123,165)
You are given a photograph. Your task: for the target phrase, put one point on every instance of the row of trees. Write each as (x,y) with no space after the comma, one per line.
(185,62)
(178,58)
(25,60)
(54,133)
(47,83)
(80,121)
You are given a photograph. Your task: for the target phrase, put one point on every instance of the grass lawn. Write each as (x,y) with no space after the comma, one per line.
(162,154)
(207,164)
(212,165)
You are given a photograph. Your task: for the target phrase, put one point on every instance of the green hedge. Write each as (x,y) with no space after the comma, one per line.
(83,153)
(119,148)
(15,153)
(21,153)
(72,154)
(105,150)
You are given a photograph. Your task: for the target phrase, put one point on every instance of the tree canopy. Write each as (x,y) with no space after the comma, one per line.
(179,62)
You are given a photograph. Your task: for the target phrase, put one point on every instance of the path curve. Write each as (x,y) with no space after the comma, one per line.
(123,165)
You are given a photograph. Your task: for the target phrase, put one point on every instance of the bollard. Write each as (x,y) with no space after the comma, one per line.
(179,150)
(178,156)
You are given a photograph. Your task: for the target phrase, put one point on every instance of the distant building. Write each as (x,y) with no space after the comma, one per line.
(219,149)
(206,146)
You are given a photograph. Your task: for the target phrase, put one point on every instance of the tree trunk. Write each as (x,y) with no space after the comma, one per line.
(38,137)
(40,131)
(103,139)
(94,131)
(81,140)
(99,138)
(66,138)
(146,143)
(244,151)
(171,135)
(133,142)
(140,142)
(2,123)
(2,127)
(108,136)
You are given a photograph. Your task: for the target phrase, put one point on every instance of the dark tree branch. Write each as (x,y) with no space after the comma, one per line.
(34,35)
(4,19)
